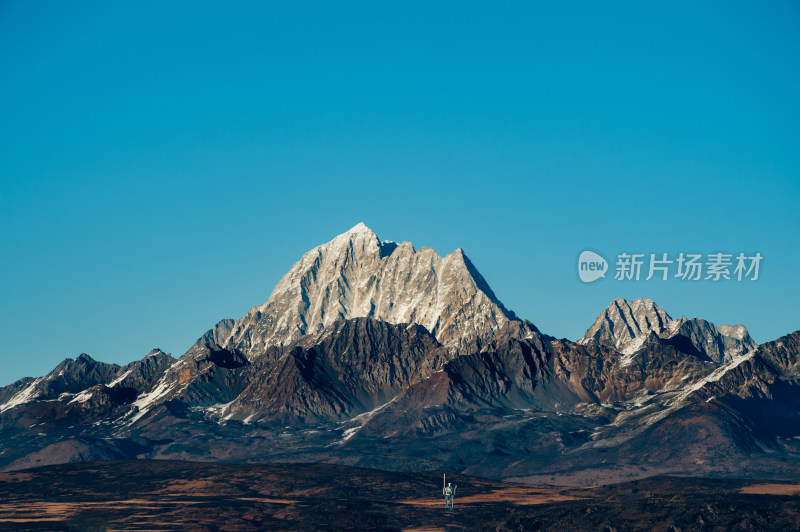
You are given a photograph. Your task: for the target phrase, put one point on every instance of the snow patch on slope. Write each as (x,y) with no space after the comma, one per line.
(119,379)
(82,397)
(24,396)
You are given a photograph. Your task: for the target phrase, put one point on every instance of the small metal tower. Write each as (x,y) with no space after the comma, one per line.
(449,492)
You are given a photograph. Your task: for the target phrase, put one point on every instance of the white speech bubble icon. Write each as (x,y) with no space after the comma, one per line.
(591,266)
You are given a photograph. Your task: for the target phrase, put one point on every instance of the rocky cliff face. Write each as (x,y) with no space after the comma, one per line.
(356,275)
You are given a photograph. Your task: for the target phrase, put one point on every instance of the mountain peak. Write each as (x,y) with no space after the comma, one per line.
(640,303)
(358,234)
(83,358)
(361,227)
(625,325)
(358,230)
(356,275)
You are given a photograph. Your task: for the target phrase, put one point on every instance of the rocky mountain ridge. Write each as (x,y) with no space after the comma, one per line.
(626,327)
(371,353)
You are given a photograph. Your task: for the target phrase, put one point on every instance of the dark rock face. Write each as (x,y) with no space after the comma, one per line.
(205,375)
(704,339)
(142,374)
(781,354)
(72,376)
(8,392)
(355,367)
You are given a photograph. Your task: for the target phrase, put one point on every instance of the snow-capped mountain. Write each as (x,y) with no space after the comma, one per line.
(377,354)
(355,275)
(626,326)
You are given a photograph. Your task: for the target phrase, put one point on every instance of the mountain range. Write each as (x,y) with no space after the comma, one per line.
(375,354)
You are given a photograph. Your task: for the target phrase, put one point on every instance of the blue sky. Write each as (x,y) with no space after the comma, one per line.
(164,163)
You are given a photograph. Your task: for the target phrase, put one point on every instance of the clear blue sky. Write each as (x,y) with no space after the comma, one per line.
(164,163)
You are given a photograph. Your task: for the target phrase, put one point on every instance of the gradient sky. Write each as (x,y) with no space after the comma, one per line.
(163,164)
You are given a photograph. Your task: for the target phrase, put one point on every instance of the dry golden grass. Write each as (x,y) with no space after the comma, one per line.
(771,489)
(513,495)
